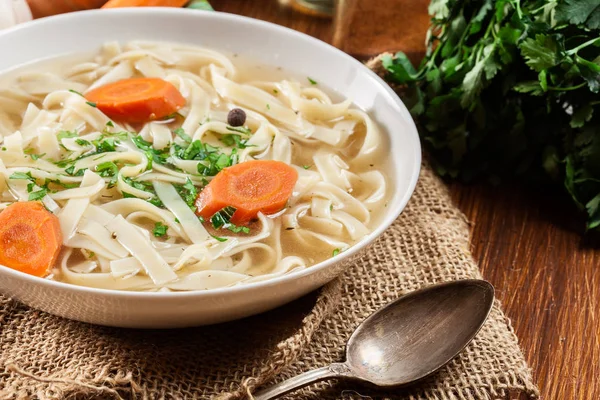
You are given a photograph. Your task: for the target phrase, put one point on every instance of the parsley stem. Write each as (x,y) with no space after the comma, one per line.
(517,4)
(583,45)
(564,89)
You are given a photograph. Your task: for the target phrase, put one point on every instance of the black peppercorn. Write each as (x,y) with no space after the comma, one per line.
(236,117)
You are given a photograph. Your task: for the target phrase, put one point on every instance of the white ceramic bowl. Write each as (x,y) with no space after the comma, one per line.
(273,44)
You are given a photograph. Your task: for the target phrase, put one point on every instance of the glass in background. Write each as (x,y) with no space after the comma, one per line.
(45,8)
(319,8)
(366,28)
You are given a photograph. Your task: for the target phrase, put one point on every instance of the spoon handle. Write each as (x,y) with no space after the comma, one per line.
(335,370)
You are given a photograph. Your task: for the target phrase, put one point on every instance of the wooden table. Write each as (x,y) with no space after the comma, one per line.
(529,245)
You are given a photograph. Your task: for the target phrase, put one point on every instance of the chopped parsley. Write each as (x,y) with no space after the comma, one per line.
(306,166)
(222,217)
(108,169)
(160,230)
(153,155)
(22,175)
(38,194)
(82,142)
(275,91)
(335,252)
(92,104)
(312,81)
(240,129)
(268,107)
(105,145)
(36,156)
(234,140)
(110,123)
(71,171)
(66,134)
(188,193)
(211,157)
(221,220)
(171,116)
(76,92)
(181,133)
(220,239)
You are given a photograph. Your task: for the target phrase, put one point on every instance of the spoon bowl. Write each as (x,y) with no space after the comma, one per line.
(414,336)
(407,340)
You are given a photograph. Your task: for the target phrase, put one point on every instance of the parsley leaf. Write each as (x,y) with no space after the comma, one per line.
(188,193)
(312,81)
(212,159)
(38,195)
(586,12)
(108,169)
(240,129)
(22,175)
(222,219)
(66,134)
(105,145)
(82,142)
(540,53)
(220,239)
(160,230)
(181,133)
(158,156)
(76,92)
(234,140)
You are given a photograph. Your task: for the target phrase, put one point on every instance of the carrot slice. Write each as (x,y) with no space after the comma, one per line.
(30,238)
(144,3)
(137,100)
(251,187)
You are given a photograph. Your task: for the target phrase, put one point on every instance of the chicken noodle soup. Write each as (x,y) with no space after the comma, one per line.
(126,192)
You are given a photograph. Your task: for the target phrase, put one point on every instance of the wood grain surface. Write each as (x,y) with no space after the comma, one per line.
(528,244)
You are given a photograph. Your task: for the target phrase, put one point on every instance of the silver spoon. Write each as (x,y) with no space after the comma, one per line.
(408,339)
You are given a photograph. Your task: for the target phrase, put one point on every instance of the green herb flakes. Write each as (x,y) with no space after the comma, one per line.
(66,134)
(160,230)
(22,175)
(220,239)
(188,193)
(222,220)
(76,92)
(82,142)
(240,129)
(181,133)
(38,195)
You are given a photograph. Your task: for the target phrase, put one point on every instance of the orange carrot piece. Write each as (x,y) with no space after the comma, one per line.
(144,3)
(137,100)
(30,238)
(251,187)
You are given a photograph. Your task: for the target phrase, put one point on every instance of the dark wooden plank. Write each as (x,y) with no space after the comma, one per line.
(528,245)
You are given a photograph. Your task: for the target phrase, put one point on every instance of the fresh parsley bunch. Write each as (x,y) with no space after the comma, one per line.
(511,87)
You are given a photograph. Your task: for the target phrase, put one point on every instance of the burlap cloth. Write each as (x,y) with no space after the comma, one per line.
(48,357)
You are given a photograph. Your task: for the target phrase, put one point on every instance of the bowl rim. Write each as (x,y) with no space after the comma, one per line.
(386,222)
